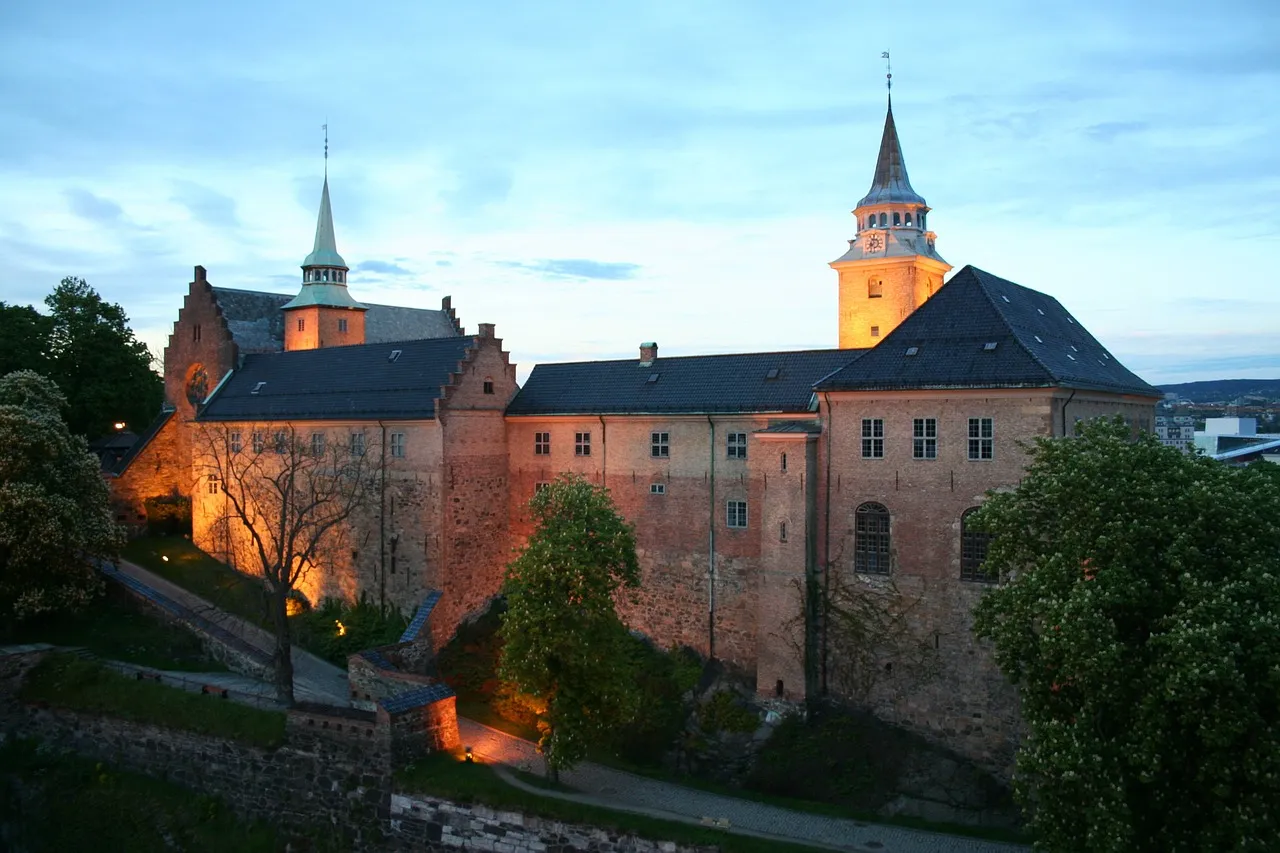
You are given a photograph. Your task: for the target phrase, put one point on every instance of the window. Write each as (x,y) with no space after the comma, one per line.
(537,487)
(357,444)
(397,445)
(784,463)
(195,333)
(281,442)
(907,218)
(660,445)
(897,218)
(258,442)
(736,513)
(234,441)
(737,445)
(875,331)
(542,444)
(302,324)
(875,288)
(317,444)
(212,485)
(924,438)
(782,531)
(582,444)
(657,488)
(884,220)
(872,438)
(981,438)
(342,324)
(871,540)
(973,550)
(488,386)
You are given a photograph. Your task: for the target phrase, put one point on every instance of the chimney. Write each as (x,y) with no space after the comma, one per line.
(200,273)
(648,353)
(486,330)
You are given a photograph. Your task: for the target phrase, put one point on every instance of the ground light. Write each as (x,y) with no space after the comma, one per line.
(164,557)
(468,756)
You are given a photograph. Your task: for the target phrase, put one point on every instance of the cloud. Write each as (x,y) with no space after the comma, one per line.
(382,268)
(444,263)
(1108,130)
(578,268)
(478,187)
(209,207)
(94,208)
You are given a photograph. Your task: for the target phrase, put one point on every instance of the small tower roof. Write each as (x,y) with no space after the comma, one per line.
(325,251)
(890,184)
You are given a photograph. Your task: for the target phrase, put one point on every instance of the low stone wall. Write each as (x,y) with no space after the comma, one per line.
(428,823)
(376,674)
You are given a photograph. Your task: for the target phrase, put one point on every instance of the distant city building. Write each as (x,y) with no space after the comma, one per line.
(1237,441)
(1176,431)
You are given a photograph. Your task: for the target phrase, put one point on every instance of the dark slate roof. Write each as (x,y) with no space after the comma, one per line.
(689,384)
(796,427)
(416,698)
(1036,344)
(340,382)
(257,323)
(420,618)
(143,440)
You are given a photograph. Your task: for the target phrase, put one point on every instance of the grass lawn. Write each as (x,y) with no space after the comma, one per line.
(194,570)
(80,805)
(118,627)
(445,775)
(66,681)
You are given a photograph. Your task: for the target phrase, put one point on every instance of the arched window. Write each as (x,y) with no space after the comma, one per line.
(897,218)
(973,550)
(871,221)
(908,219)
(875,288)
(922,222)
(884,219)
(871,540)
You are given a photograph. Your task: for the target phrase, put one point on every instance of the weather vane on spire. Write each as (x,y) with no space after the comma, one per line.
(888,68)
(325,128)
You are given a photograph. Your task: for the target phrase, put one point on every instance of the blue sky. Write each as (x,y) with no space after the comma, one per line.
(588,176)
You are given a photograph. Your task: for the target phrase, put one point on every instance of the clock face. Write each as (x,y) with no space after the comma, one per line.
(873,243)
(197,384)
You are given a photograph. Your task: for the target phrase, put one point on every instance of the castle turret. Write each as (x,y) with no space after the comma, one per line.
(323,314)
(891,267)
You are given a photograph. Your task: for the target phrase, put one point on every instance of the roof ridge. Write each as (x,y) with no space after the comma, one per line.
(662,358)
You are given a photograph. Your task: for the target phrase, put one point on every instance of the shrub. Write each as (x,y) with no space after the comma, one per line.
(365,625)
(168,515)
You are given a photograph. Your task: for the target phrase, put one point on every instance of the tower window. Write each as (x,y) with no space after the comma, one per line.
(908,219)
(342,324)
(488,386)
(884,219)
(875,331)
(302,325)
(897,218)
(922,221)
(195,333)
(871,221)
(875,288)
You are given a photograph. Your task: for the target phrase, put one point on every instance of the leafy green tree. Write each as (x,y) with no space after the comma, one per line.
(24,339)
(1139,616)
(564,644)
(54,516)
(104,371)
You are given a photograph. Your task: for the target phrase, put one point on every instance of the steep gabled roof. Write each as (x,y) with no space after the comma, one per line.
(980,331)
(257,322)
(397,381)
(684,385)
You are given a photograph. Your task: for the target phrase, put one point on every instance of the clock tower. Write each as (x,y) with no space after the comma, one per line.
(891,267)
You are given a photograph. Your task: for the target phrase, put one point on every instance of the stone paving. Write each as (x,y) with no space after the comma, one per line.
(602,786)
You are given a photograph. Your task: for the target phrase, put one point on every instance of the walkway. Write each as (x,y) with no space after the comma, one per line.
(607,787)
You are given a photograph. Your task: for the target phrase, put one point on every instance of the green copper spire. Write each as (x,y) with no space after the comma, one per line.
(325,251)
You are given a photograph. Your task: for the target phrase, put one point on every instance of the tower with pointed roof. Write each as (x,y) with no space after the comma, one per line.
(891,267)
(323,314)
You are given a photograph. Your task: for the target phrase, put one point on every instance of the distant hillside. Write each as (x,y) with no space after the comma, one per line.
(1222,390)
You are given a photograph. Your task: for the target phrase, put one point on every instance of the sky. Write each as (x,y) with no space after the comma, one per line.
(591,175)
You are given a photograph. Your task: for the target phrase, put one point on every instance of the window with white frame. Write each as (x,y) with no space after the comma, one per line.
(537,487)
(736,513)
(233,440)
(737,445)
(282,442)
(397,445)
(542,444)
(924,438)
(258,442)
(342,325)
(981,438)
(872,438)
(317,444)
(582,444)
(660,445)
(871,539)
(657,488)
(357,444)
(212,484)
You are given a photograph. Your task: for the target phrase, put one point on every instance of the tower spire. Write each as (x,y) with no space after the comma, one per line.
(325,127)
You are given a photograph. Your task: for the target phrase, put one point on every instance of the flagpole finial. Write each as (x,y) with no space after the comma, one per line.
(888,69)
(325,128)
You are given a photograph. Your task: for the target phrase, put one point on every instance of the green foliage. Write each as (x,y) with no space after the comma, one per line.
(104,371)
(53,802)
(723,713)
(69,682)
(564,643)
(54,512)
(367,626)
(168,515)
(1140,620)
(197,572)
(117,627)
(24,339)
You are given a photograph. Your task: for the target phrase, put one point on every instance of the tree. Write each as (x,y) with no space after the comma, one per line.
(282,504)
(564,644)
(1139,616)
(24,339)
(54,514)
(104,371)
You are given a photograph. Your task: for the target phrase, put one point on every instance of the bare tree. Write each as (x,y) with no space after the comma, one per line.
(286,501)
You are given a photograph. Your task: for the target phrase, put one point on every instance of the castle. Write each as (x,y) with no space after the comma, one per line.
(754,481)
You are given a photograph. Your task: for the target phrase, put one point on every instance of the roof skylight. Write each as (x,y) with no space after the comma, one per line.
(772,374)
(1038,339)
(912,350)
(990,345)
(1070,356)
(257,388)
(395,355)
(653,377)
(1005,298)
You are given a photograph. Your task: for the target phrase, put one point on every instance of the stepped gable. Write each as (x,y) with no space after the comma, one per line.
(683,385)
(256,322)
(394,380)
(981,331)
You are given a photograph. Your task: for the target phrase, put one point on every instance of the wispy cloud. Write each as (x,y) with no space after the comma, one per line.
(93,207)
(382,268)
(578,268)
(208,206)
